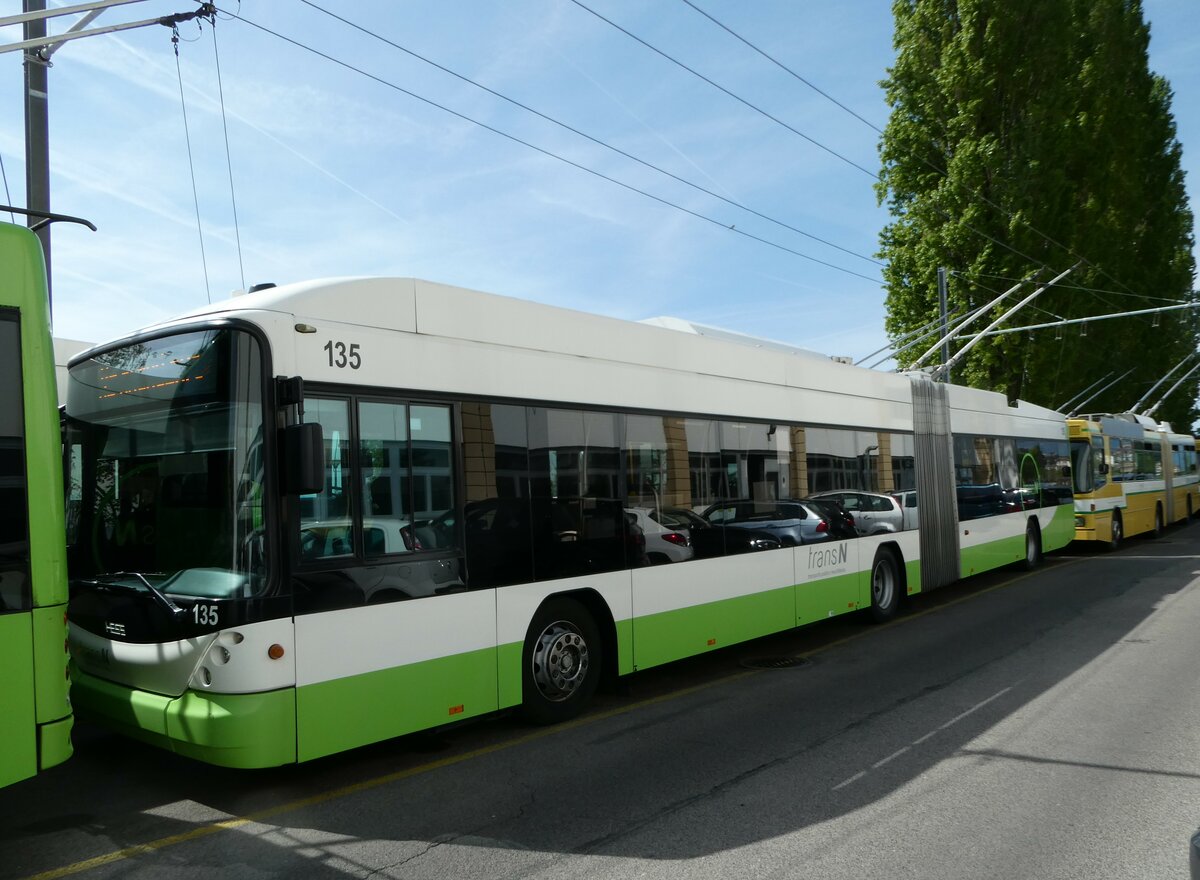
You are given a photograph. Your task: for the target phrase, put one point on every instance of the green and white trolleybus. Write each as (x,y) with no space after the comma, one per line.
(35,711)
(322,515)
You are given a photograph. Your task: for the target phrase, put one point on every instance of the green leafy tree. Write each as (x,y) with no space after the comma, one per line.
(1025,137)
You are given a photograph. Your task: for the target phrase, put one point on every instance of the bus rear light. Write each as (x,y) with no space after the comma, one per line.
(276,651)
(457,710)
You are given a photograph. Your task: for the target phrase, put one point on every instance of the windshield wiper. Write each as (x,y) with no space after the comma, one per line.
(114,580)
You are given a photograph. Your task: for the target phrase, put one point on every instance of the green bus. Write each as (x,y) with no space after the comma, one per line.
(35,707)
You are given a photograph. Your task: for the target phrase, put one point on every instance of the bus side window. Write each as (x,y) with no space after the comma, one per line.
(1099,478)
(325,517)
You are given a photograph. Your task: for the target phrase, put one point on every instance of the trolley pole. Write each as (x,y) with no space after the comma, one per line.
(942,298)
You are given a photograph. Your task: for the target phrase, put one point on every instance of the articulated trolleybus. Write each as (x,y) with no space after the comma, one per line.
(1132,476)
(35,712)
(323,515)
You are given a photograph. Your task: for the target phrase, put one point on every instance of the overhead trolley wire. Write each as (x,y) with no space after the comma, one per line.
(191,164)
(587,136)
(1073,287)
(795,130)
(971,190)
(783,66)
(228,159)
(545,152)
(726,91)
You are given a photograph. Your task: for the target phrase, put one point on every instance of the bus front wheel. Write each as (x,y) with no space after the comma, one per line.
(1033,546)
(561,662)
(1116,532)
(1158,522)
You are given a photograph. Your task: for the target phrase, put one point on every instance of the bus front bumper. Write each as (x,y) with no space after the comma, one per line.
(230,730)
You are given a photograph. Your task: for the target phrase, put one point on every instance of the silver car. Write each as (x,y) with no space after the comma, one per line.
(789,520)
(874,514)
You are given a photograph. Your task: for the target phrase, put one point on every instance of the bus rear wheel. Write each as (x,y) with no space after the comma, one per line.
(1158,522)
(885,586)
(561,662)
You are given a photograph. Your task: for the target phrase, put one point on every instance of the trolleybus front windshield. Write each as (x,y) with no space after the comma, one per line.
(166,467)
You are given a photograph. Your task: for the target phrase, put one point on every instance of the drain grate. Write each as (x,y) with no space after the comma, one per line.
(775,662)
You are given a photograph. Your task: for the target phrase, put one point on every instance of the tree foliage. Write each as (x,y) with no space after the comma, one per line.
(1027,136)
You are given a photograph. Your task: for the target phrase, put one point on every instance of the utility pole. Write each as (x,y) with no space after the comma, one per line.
(37,129)
(38,46)
(942,297)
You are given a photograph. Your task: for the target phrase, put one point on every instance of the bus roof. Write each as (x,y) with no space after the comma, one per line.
(428,308)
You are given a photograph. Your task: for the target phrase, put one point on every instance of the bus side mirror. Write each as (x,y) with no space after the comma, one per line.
(1103,468)
(303,459)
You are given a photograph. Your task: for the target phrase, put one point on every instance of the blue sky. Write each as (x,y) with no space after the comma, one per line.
(337,174)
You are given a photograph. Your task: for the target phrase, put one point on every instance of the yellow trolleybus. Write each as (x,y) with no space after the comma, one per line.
(1132,476)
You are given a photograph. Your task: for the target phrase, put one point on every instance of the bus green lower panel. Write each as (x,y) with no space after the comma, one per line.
(230,730)
(985,557)
(361,709)
(829,597)
(54,744)
(912,576)
(672,635)
(18,731)
(50,663)
(1006,551)
(1061,530)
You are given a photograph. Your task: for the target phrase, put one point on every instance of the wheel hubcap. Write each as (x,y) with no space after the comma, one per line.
(882,585)
(560,661)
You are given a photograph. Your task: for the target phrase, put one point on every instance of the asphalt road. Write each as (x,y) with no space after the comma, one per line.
(1041,725)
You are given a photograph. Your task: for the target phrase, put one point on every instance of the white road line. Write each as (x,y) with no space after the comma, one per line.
(890,757)
(975,708)
(896,754)
(857,776)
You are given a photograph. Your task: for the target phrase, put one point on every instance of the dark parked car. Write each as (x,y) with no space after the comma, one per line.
(841,523)
(711,541)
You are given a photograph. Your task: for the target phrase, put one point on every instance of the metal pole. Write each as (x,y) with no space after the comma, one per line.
(942,296)
(37,131)
(62,10)
(205,10)
(1066,321)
